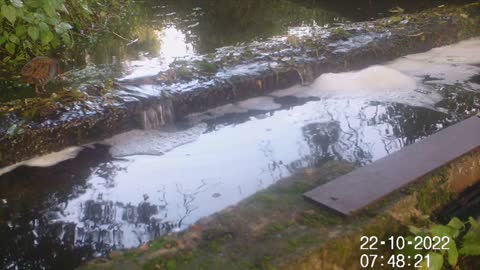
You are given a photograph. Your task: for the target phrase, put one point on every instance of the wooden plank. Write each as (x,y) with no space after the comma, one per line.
(358,189)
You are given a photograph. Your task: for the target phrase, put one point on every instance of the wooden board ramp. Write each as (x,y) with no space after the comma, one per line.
(360,188)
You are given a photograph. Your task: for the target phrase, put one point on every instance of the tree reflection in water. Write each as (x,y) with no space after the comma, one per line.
(33,203)
(56,217)
(33,197)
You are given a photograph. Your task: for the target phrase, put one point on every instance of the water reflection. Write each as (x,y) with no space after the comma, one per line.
(56,217)
(322,138)
(159,32)
(176,28)
(31,199)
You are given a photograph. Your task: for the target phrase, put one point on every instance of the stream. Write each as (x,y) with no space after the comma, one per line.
(85,201)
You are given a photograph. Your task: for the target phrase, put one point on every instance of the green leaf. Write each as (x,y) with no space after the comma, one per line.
(46,37)
(55,42)
(471,242)
(43,27)
(414,229)
(67,39)
(456,223)
(52,21)
(62,27)
(10,13)
(473,222)
(20,30)
(19,12)
(33,32)
(49,10)
(29,18)
(10,47)
(33,3)
(442,230)
(436,262)
(14,39)
(39,16)
(27,44)
(452,253)
(17,3)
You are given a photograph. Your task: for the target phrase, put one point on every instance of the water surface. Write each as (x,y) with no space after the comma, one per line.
(59,210)
(161,31)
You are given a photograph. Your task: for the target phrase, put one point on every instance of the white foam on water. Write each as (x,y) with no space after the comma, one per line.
(151,142)
(448,65)
(46,160)
(372,80)
(401,80)
(398,81)
(264,103)
(375,83)
(441,73)
(215,113)
(464,52)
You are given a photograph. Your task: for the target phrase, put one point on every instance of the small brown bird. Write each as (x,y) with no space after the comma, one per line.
(39,71)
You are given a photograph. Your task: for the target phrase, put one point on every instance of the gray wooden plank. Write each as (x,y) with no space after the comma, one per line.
(356,190)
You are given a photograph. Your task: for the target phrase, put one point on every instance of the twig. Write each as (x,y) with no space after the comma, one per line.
(126,39)
(415,35)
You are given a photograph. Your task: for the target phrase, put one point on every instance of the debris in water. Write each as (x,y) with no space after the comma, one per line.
(152,142)
(422,91)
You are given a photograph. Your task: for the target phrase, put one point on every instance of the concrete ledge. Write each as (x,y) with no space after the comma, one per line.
(362,44)
(362,187)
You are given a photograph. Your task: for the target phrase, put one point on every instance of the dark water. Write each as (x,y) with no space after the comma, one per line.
(56,217)
(158,32)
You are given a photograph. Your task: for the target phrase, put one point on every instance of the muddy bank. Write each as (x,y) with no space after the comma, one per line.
(278,229)
(231,74)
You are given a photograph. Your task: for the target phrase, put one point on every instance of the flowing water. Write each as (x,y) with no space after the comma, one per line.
(161,31)
(58,210)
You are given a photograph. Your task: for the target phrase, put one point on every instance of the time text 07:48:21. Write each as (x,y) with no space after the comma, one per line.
(399,243)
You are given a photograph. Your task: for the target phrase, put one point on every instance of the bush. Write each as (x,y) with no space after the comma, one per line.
(32,27)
